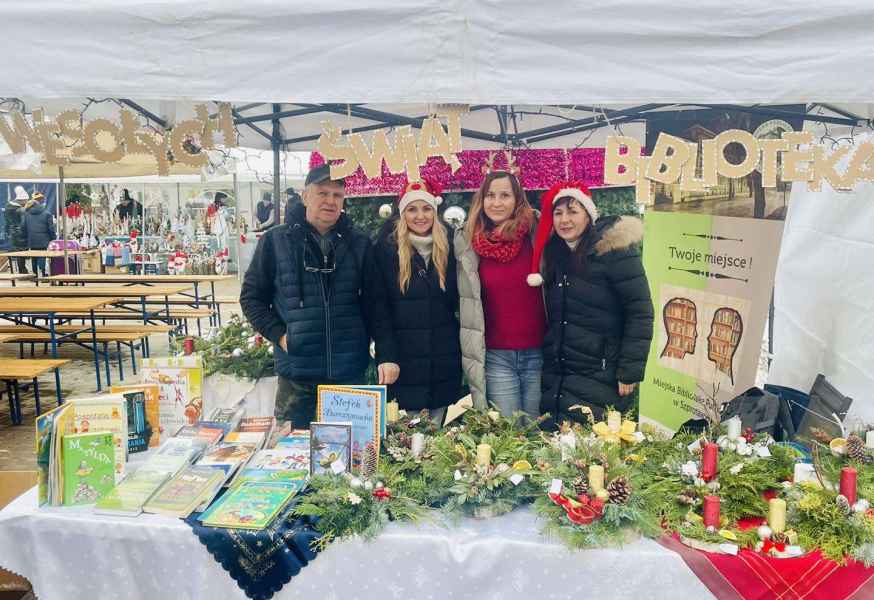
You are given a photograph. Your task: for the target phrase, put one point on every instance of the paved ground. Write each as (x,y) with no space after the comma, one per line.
(17,450)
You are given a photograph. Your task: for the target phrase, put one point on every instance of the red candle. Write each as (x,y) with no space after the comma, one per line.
(848,484)
(709,457)
(188,346)
(711,511)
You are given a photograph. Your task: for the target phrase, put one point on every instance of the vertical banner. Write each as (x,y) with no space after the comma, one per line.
(711,279)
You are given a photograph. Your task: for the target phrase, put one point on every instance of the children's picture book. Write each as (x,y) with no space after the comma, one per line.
(361,407)
(251,505)
(211,435)
(104,413)
(180,384)
(228,457)
(281,430)
(138,427)
(330,447)
(279,464)
(383,398)
(45,426)
(255,438)
(265,424)
(180,495)
(129,496)
(89,467)
(174,454)
(153,408)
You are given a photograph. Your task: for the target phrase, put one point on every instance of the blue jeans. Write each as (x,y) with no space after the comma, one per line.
(513,380)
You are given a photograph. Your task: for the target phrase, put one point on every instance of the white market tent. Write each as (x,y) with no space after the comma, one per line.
(535,74)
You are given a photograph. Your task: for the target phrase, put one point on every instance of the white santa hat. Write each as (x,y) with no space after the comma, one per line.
(424,190)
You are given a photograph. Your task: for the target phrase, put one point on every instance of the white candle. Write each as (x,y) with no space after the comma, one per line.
(483,455)
(614,420)
(417,444)
(869,439)
(733,427)
(567,442)
(392,412)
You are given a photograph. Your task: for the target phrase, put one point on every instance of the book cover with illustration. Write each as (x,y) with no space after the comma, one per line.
(361,407)
(179,496)
(174,454)
(180,384)
(330,447)
(138,429)
(279,464)
(251,505)
(104,413)
(89,466)
(153,408)
(227,456)
(211,435)
(131,494)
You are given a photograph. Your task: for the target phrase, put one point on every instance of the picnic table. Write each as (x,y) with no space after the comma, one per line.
(20,309)
(129,280)
(14,369)
(47,254)
(13,278)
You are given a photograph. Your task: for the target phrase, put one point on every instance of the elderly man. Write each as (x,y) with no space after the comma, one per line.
(303,292)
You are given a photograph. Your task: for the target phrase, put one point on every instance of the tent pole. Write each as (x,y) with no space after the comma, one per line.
(276,142)
(62,203)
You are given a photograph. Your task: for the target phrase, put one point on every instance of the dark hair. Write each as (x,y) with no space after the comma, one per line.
(125,194)
(556,248)
(220,198)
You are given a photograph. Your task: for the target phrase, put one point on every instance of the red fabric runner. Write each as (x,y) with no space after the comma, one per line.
(754,576)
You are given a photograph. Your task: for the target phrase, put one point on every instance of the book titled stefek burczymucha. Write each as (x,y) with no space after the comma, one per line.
(361,407)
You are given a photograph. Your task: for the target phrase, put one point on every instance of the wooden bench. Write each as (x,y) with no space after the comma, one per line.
(14,369)
(111,328)
(84,339)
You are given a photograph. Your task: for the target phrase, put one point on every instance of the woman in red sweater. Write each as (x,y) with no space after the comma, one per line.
(502,317)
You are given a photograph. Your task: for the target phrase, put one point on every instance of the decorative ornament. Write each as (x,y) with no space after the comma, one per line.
(355,482)
(368,485)
(856,449)
(353,498)
(580,485)
(382,494)
(237,353)
(764,532)
(385,211)
(626,432)
(619,491)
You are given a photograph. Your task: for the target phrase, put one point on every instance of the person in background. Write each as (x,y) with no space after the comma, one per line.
(292,200)
(598,301)
(264,212)
(38,229)
(413,299)
(303,292)
(502,318)
(14,216)
(128,208)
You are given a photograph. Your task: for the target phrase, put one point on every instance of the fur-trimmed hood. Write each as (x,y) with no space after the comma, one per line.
(617,233)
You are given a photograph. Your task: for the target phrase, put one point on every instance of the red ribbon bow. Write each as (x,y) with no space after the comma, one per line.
(768,545)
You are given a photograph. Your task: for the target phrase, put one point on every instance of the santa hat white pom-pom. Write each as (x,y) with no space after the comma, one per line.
(438,200)
(534,280)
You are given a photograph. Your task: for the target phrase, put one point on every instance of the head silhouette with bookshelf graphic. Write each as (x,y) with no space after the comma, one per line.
(726,330)
(681,324)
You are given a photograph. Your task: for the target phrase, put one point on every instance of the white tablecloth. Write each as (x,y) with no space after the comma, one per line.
(71,553)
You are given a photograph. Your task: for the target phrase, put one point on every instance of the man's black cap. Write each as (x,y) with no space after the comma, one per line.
(320,174)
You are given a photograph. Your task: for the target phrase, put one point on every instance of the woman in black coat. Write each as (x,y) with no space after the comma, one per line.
(413,304)
(38,229)
(600,314)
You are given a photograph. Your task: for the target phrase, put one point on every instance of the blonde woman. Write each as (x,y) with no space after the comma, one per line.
(502,315)
(413,302)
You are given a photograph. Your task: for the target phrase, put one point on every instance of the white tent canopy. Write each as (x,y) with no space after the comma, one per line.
(381,51)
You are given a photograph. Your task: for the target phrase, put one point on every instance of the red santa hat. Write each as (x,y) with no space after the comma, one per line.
(563,189)
(424,190)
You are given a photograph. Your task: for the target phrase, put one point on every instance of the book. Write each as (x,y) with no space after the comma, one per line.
(173,455)
(180,386)
(251,505)
(262,424)
(45,428)
(278,464)
(138,428)
(182,493)
(104,413)
(255,438)
(279,431)
(382,390)
(330,447)
(226,419)
(153,408)
(131,494)
(361,407)
(211,435)
(89,466)
(228,457)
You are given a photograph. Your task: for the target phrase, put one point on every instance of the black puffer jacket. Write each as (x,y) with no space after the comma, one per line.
(321,313)
(38,227)
(417,330)
(600,322)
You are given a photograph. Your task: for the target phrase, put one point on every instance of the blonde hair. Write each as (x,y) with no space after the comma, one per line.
(439,252)
(523,214)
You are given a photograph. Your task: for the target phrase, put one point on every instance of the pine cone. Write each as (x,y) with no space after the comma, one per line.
(843,504)
(581,486)
(619,490)
(856,449)
(369,461)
